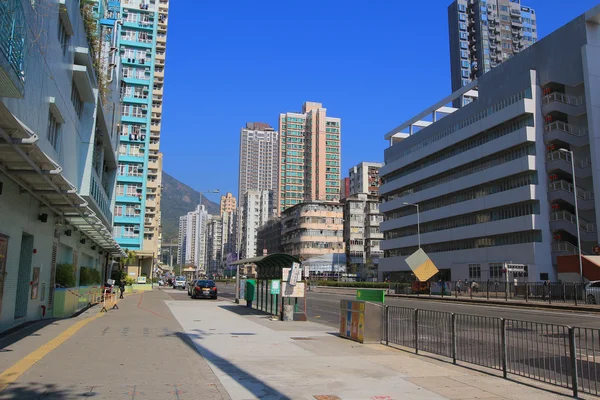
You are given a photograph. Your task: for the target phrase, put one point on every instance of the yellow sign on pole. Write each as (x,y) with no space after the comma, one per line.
(421,265)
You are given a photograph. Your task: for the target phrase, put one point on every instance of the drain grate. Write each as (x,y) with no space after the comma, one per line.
(303,338)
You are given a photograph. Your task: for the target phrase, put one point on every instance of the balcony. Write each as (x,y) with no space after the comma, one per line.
(568,133)
(13,37)
(559,160)
(561,248)
(563,190)
(564,103)
(565,221)
(152,184)
(156,109)
(99,199)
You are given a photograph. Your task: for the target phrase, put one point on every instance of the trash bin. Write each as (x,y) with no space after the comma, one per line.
(288,312)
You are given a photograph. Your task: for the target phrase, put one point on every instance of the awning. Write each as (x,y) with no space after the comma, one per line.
(27,165)
(270,266)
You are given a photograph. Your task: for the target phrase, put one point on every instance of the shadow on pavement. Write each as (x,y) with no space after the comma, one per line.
(241,310)
(254,385)
(22,331)
(37,391)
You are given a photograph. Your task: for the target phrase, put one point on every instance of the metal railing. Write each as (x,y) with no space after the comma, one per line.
(565,247)
(498,289)
(562,98)
(554,354)
(568,128)
(561,155)
(564,185)
(13,36)
(567,216)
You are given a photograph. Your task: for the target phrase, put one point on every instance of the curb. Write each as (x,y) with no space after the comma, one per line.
(499,303)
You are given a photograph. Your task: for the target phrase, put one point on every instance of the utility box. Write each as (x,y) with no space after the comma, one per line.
(361,321)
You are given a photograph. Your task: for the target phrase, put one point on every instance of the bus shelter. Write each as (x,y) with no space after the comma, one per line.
(271,288)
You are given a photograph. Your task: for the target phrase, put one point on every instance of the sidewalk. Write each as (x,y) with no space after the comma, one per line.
(255,357)
(130,353)
(227,351)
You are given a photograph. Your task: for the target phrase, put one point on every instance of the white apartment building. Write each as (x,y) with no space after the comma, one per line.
(364,178)
(259,158)
(192,238)
(492,179)
(257,207)
(361,233)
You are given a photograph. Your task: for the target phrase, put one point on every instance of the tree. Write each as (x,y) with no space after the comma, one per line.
(130,259)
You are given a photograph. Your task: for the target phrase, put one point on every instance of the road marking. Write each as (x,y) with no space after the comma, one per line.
(13,373)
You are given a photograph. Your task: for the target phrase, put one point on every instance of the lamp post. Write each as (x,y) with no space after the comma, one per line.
(215,191)
(570,153)
(418,223)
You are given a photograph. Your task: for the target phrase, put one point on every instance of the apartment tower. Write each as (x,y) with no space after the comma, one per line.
(309,167)
(259,150)
(484,34)
(141,47)
(228,203)
(364,178)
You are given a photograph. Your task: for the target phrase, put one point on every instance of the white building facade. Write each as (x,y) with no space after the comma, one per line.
(257,208)
(364,178)
(192,239)
(490,179)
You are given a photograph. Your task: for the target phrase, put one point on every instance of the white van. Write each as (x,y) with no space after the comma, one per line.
(179,282)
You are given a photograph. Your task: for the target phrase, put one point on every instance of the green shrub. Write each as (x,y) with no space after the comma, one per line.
(366,285)
(89,276)
(129,281)
(65,275)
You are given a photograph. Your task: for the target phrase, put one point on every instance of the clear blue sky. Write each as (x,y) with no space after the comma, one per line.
(372,63)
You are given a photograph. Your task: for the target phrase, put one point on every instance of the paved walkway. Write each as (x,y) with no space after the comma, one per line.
(155,347)
(136,352)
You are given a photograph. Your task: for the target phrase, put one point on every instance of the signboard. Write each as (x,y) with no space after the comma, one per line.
(515,267)
(288,290)
(352,318)
(242,289)
(276,286)
(421,265)
(141,279)
(373,295)
(597,250)
(306,272)
(294,274)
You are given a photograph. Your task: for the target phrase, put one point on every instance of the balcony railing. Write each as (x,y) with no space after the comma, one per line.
(562,98)
(564,185)
(100,196)
(561,155)
(567,216)
(558,247)
(568,128)
(13,31)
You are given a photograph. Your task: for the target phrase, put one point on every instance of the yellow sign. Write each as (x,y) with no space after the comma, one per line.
(421,265)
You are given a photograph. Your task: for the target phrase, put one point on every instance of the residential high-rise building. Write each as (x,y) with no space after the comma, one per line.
(214,245)
(193,239)
(257,208)
(228,233)
(309,166)
(141,48)
(269,237)
(59,112)
(364,178)
(259,158)
(361,233)
(484,34)
(228,203)
(494,180)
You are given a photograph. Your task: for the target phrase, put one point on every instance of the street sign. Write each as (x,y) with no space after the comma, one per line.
(515,267)
(275,286)
(295,274)
(421,265)
(597,250)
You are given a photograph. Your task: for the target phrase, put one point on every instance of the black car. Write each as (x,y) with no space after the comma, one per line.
(204,288)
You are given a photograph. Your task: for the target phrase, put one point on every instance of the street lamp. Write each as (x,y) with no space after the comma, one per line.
(570,153)
(418,223)
(208,191)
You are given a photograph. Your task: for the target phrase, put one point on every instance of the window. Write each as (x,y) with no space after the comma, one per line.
(118,211)
(63,37)
(462,7)
(474,271)
(496,270)
(462,26)
(464,36)
(464,54)
(464,45)
(132,190)
(53,131)
(462,17)
(120,189)
(465,73)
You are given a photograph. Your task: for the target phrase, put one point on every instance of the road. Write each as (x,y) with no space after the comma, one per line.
(324,308)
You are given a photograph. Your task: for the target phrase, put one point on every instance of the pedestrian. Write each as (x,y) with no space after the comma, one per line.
(122,287)
(458,287)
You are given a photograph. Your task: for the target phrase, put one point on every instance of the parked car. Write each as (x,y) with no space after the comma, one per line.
(204,288)
(190,285)
(592,292)
(179,282)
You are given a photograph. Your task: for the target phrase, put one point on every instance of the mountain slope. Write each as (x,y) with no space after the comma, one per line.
(178,199)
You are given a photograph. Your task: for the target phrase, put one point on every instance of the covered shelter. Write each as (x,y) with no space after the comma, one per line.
(268,290)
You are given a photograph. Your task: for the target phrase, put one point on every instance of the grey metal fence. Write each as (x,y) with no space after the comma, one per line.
(559,355)
(561,292)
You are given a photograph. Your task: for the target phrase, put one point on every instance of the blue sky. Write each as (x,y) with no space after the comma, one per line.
(372,63)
